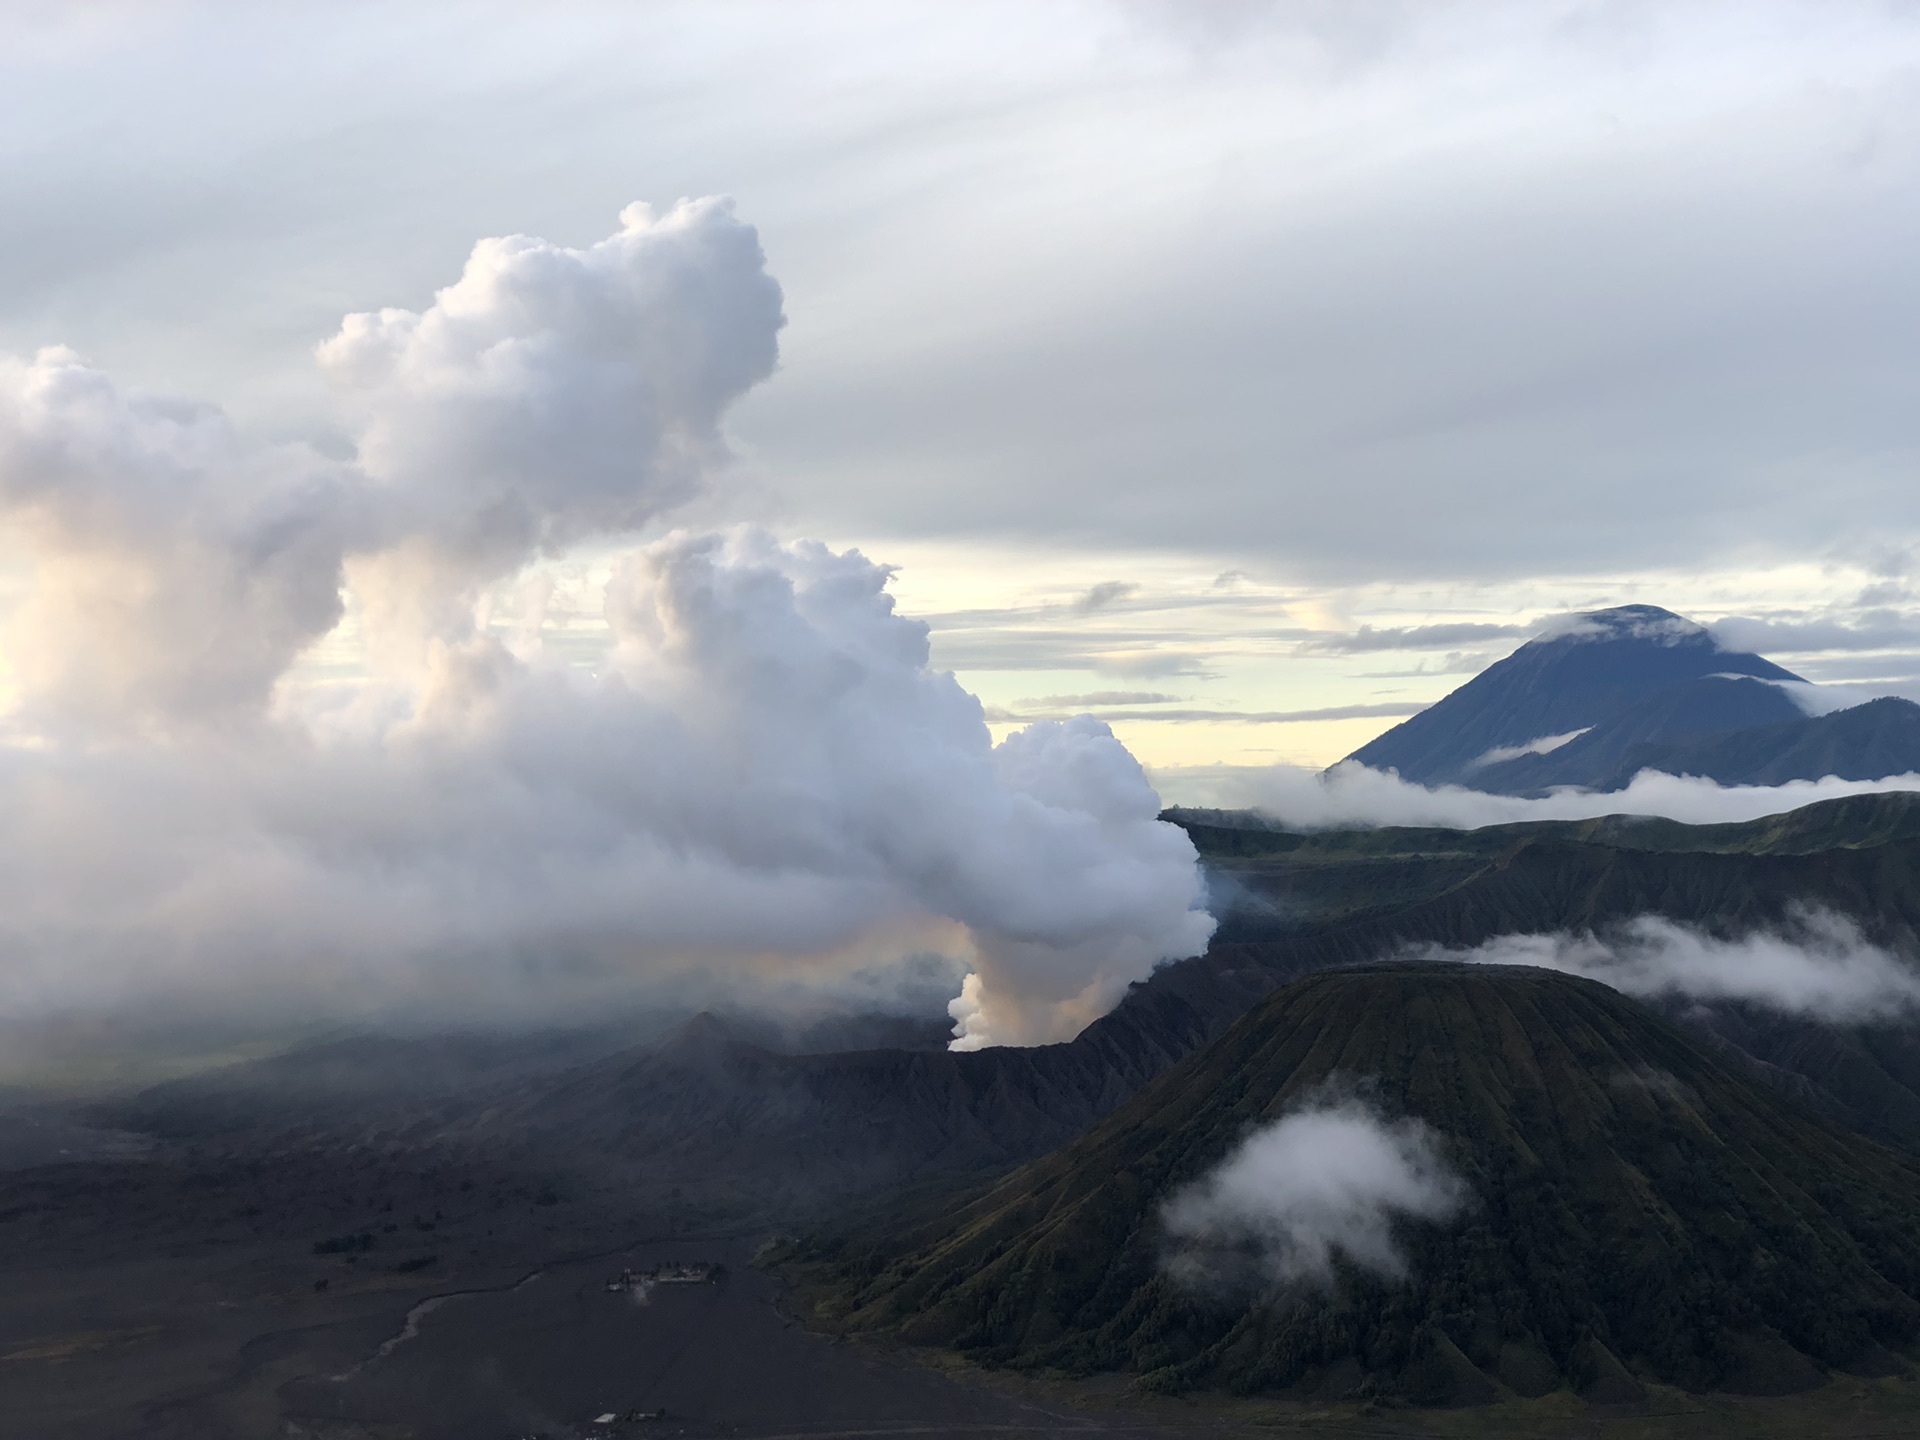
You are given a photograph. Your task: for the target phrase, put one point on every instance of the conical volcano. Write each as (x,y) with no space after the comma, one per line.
(1643,674)
(1627,1209)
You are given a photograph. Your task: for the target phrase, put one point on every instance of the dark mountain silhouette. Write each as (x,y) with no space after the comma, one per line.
(1603,666)
(1640,1210)
(1684,722)
(1631,689)
(709,1110)
(1866,742)
(710,1107)
(1347,897)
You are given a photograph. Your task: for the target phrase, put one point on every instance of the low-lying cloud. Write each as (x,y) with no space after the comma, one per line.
(1545,745)
(767,777)
(1355,796)
(1330,1178)
(1825,699)
(1819,965)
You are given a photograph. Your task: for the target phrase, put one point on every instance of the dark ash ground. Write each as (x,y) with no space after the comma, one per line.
(180,1295)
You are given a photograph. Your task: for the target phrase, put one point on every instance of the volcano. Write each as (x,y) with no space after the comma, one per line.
(1611,693)
(1639,1211)
(1663,674)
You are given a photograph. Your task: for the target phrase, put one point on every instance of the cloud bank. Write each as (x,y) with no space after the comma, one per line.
(1354,796)
(176,570)
(1329,1178)
(767,777)
(1820,966)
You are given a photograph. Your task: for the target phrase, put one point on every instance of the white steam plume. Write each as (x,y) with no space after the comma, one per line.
(550,395)
(1819,966)
(767,777)
(1355,796)
(176,570)
(1327,1178)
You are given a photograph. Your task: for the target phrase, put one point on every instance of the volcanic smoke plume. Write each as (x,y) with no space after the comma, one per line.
(765,778)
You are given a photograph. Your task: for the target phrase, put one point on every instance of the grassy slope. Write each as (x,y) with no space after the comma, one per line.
(1852,854)
(1296,903)
(1637,1201)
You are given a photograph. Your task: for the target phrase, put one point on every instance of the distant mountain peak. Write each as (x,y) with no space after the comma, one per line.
(1558,694)
(1627,1216)
(1627,622)
(1598,696)
(704,1032)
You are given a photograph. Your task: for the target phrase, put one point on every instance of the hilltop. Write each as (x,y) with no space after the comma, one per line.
(715,1110)
(1640,1212)
(1610,693)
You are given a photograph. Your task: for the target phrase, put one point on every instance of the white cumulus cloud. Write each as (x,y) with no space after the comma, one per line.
(766,779)
(176,570)
(1819,966)
(552,393)
(1329,1178)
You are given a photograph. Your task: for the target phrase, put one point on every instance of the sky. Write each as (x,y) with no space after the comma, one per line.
(512,513)
(1249,374)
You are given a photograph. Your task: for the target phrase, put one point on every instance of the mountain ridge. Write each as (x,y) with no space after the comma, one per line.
(1596,668)
(693,1108)
(1700,1230)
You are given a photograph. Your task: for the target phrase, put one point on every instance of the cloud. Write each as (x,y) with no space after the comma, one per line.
(553,394)
(1881,673)
(769,775)
(1331,1178)
(1282,717)
(1454,662)
(1367,640)
(1353,796)
(1881,630)
(1819,965)
(1545,745)
(1826,699)
(1128,657)
(1682,278)
(765,778)
(549,395)
(1103,595)
(1100,697)
(176,570)
(1269,717)
(1579,625)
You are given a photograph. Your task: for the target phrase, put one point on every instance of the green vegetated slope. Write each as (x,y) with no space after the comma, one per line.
(1293,903)
(1858,855)
(1639,1209)
(1853,821)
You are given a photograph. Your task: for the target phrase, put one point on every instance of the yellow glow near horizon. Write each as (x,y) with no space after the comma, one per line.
(1192,660)
(1224,640)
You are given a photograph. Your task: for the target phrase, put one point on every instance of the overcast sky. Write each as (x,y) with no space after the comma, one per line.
(1163,346)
